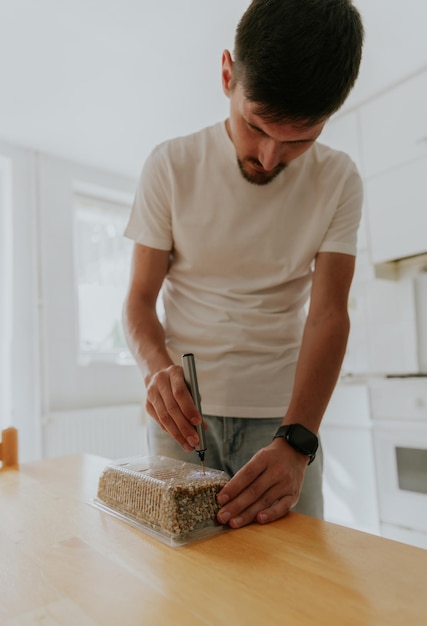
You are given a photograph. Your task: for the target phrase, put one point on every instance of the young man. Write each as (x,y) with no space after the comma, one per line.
(239,225)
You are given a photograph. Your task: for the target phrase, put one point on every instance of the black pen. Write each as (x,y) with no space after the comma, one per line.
(190,377)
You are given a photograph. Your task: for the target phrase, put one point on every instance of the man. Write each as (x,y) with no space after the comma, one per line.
(239,225)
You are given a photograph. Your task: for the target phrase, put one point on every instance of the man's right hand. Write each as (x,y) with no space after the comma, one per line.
(170,404)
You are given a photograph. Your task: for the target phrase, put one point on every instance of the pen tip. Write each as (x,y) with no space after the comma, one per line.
(201,454)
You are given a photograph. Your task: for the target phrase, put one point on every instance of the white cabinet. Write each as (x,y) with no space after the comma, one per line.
(399,399)
(349,470)
(342,132)
(394,127)
(394,155)
(383,337)
(397,533)
(399,410)
(397,212)
(391,327)
(356,359)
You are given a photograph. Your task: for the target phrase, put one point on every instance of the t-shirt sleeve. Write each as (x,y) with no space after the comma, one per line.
(341,235)
(150,220)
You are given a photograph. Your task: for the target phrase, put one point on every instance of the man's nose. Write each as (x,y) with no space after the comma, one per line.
(269,154)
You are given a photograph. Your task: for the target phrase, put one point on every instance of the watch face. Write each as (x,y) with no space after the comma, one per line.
(302,439)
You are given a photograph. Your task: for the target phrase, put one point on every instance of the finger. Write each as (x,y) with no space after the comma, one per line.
(159,413)
(177,400)
(277,510)
(237,515)
(271,481)
(161,394)
(243,479)
(183,398)
(173,418)
(180,401)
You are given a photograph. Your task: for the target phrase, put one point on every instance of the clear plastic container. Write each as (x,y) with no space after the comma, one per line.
(172,500)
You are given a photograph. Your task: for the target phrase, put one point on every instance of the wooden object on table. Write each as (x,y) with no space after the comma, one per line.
(9,447)
(65,562)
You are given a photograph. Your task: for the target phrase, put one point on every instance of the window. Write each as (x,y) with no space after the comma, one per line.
(412,469)
(102,258)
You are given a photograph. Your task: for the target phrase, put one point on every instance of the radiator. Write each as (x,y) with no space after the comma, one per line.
(113,432)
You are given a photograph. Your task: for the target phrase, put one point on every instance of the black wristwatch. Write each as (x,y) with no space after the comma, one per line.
(300,438)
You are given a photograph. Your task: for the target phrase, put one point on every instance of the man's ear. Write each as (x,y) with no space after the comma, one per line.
(227,72)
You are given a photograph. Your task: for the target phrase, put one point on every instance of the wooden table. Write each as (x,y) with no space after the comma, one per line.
(62,561)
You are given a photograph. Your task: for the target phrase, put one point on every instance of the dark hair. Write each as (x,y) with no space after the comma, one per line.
(298,59)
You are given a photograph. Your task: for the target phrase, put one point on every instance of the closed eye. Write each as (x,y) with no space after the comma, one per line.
(258,130)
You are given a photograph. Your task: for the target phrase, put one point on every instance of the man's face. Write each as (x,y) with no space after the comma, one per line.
(263,148)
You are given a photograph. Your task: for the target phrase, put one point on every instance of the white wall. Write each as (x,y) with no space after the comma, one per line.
(40,374)
(101,82)
(6,278)
(24,375)
(395,44)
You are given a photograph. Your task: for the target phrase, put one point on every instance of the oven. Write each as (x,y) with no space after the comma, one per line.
(399,410)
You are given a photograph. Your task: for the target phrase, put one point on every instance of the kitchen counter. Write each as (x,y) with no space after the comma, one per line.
(64,562)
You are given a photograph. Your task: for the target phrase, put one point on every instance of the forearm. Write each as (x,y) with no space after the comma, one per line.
(145,336)
(319,364)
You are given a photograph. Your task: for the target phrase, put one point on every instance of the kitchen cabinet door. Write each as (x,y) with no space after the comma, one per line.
(394,126)
(399,398)
(397,212)
(383,337)
(391,327)
(342,132)
(401,463)
(349,484)
(404,535)
(356,359)
(399,411)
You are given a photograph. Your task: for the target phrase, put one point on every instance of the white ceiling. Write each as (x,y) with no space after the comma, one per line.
(102,81)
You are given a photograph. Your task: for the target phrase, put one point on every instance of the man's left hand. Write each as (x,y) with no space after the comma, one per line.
(266,488)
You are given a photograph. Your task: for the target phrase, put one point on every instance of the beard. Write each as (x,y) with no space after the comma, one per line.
(255,176)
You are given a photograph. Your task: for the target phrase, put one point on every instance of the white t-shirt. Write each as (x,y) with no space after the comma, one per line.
(241,260)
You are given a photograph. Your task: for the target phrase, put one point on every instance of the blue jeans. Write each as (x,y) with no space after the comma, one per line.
(231,442)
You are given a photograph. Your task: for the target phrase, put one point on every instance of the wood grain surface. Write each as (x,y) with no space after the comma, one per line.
(64,562)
